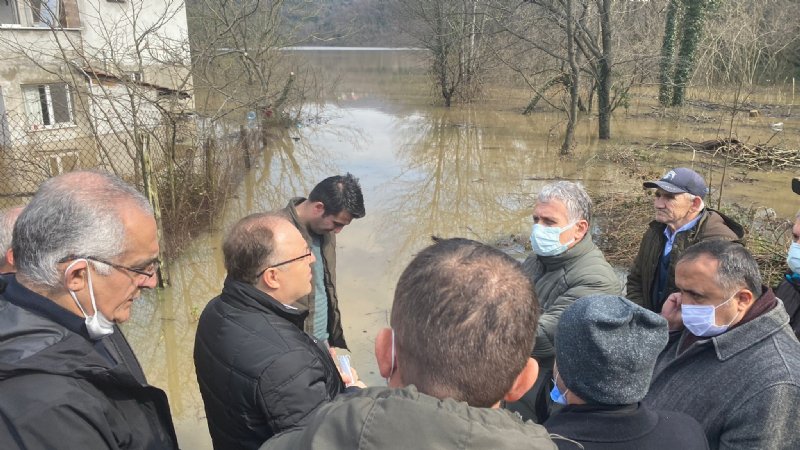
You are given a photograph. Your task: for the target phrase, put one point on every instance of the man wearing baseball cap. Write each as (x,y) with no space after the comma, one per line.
(681,220)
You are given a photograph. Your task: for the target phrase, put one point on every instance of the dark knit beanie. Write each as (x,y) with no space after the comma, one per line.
(606,349)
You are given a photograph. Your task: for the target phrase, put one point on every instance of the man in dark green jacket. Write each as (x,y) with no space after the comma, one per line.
(565,266)
(681,220)
(331,206)
(463,322)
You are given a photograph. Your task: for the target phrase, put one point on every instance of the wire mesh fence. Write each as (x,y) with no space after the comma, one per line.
(187,160)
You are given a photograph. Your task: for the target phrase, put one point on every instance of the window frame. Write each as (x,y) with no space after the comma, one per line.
(38,123)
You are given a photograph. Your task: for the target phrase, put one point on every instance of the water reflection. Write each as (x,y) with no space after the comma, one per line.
(424,171)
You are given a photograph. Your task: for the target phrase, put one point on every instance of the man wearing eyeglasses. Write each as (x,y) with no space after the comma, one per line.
(259,372)
(331,206)
(85,248)
(681,220)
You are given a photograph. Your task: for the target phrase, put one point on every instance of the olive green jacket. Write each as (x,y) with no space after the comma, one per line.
(642,276)
(405,419)
(328,250)
(559,281)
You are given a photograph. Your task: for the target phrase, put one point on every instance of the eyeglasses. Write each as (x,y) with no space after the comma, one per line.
(147,271)
(283,263)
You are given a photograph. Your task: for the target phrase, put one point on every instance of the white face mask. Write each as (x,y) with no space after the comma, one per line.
(793,258)
(701,320)
(97,325)
(546,241)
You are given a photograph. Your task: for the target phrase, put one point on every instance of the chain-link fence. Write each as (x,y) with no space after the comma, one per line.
(187,161)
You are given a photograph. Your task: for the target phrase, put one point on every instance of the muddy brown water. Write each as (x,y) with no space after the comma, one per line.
(424,171)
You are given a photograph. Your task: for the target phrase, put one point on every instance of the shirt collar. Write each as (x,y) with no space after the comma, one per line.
(671,236)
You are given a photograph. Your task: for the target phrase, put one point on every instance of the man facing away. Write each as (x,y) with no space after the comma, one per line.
(463,323)
(732,361)
(259,373)
(85,247)
(606,348)
(7,219)
(565,265)
(681,220)
(331,206)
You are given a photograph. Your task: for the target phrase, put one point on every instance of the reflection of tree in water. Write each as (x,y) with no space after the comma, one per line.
(463,177)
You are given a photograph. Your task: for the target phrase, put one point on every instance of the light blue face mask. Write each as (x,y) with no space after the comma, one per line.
(793,259)
(556,395)
(701,320)
(546,241)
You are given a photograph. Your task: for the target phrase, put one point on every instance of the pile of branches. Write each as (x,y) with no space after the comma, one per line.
(751,156)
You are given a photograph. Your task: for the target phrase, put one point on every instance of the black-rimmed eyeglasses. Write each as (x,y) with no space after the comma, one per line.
(283,263)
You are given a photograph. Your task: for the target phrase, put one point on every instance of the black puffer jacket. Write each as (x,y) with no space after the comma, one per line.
(259,373)
(58,389)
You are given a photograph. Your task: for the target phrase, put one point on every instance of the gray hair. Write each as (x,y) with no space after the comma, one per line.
(572,195)
(736,266)
(75,214)
(797,216)
(7,219)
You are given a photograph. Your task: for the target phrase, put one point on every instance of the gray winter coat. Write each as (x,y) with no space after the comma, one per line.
(403,419)
(743,386)
(559,281)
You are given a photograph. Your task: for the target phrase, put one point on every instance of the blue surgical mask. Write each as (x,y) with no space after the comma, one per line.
(546,241)
(701,320)
(793,259)
(557,396)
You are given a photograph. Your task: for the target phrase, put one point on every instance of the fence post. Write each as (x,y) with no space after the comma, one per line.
(208,153)
(151,192)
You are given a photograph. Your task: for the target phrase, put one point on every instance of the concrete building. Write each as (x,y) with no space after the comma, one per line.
(85,83)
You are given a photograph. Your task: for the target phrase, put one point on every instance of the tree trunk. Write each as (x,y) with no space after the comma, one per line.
(667,53)
(692,33)
(572,113)
(606,61)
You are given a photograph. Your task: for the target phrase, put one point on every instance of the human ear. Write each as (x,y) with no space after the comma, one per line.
(75,278)
(270,278)
(383,352)
(581,228)
(524,381)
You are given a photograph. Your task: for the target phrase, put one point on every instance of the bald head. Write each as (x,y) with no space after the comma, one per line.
(7,219)
(78,213)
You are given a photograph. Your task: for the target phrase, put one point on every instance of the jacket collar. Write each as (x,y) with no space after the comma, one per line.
(603,423)
(247,296)
(583,247)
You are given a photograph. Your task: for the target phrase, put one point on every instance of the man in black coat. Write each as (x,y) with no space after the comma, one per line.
(606,349)
(259,373)
(84,248)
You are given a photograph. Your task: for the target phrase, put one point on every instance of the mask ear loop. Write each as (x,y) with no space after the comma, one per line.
(72,293)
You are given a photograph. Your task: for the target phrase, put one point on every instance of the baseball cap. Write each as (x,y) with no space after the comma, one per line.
(681,180)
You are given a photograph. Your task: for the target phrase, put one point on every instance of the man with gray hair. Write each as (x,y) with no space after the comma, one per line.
(565,265)
(85,248)
(7,219)
(681,220)
(732,361)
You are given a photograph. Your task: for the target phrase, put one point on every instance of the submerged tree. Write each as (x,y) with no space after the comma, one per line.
(454,31)
(685,21)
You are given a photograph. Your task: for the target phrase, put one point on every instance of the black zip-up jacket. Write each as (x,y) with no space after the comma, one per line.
(59,389)
(259,373)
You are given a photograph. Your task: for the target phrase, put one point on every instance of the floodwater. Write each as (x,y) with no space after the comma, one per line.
(424,171)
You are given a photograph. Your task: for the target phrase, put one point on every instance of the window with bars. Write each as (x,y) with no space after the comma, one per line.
(49,105)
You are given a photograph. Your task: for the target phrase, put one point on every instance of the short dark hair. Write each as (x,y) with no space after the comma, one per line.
(736,266)
(339,193)
(249,246)
(464,316)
